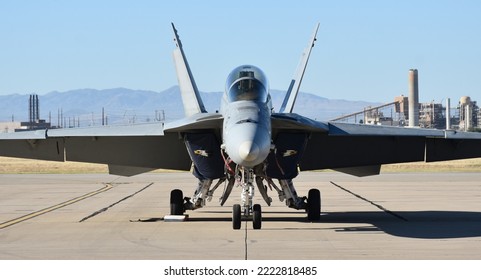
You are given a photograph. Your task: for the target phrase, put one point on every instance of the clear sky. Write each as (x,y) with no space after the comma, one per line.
(364,48)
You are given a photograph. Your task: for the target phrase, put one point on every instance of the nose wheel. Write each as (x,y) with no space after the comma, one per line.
(236,216)
(256,216)
(255,212)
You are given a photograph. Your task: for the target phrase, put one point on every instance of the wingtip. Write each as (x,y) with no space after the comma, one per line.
(176,35)
(314,35)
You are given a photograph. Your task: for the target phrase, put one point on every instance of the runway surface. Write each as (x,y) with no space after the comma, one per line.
(94,216)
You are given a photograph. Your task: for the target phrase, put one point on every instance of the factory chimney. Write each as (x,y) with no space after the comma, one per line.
(33,109)
(413,98)
(448,114)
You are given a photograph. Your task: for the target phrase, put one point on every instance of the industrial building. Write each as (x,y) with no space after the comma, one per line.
(34,122)
(408,111)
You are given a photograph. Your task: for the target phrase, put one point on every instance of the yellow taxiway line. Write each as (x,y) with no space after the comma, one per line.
(55,207)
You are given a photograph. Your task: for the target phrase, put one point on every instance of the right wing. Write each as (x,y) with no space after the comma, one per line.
(361,149)
(348,146)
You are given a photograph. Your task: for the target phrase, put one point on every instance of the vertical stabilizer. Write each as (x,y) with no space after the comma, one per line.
(293,90)
(190,94)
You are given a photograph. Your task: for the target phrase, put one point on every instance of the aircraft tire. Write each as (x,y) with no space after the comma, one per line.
(257,216)
(314,205)
(236,216)
(176,202)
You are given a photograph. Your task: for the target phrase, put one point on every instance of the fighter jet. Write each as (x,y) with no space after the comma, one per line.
(245,144)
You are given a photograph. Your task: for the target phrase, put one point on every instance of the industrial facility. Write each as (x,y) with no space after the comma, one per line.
(408,111)
(34,122)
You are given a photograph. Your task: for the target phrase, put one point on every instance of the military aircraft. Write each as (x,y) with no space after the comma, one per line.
(245,144)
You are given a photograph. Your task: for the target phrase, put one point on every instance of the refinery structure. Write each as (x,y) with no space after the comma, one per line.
(408,111)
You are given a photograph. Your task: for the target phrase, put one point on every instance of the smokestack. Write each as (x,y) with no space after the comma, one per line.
(37,108)
(30,109)
(448,114)
(33,108)
(468,125)
(413,98)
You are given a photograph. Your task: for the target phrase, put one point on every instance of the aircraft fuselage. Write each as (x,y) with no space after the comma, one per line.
(246,107)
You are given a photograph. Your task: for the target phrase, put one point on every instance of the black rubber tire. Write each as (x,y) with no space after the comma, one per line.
(257,216)
(314,205)
(236,216)
(176,202)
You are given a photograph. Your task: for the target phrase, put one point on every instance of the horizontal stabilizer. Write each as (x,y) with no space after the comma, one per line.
(297,122)
(196,122)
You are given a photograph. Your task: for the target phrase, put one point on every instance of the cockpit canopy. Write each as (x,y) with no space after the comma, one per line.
(247,82)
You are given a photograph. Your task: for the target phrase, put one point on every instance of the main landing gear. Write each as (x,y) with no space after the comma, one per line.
(314,205)
(176,202)
(247,209)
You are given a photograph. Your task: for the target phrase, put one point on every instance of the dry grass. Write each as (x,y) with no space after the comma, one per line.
(26,166)
(463,165)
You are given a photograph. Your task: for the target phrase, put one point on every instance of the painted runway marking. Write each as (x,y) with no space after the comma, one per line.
(371,202)
(55,207)
(112,205)
(245,242)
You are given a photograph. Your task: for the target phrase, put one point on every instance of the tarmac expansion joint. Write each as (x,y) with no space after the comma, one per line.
(371,202)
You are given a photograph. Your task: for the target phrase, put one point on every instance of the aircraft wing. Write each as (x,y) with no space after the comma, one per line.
(128,150)
(361,149)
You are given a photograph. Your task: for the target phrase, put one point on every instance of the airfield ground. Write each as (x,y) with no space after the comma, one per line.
(397,215)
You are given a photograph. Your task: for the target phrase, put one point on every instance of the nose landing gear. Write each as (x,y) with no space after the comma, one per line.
(255,213)
(248,209)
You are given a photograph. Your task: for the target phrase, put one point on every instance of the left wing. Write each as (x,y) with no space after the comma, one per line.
(361,149)
(128,150)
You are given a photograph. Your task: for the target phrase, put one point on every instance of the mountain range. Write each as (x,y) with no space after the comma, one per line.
(123,105)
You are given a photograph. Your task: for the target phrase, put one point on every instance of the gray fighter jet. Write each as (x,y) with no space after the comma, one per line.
(246,144)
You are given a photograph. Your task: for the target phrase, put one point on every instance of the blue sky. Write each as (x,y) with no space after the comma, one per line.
(364,48)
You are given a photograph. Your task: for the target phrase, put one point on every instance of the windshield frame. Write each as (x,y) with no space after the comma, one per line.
(247,82)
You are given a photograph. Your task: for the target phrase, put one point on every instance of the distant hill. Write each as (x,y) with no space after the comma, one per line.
(123,105)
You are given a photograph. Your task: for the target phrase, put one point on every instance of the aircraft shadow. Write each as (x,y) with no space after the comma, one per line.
(414,224)
(409,224)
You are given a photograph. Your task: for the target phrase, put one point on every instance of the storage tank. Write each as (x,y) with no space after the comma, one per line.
(465,100)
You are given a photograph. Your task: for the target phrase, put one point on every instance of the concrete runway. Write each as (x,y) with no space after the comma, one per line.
(391,216)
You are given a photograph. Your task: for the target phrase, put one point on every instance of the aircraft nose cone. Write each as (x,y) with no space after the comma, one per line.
(248,151)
